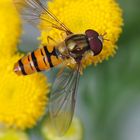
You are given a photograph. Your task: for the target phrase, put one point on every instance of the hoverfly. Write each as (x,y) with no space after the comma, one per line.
(74,47)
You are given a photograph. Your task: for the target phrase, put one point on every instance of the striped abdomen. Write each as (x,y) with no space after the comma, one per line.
(39,60)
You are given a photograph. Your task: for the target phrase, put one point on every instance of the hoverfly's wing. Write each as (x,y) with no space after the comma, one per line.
(62,100)
(36,12)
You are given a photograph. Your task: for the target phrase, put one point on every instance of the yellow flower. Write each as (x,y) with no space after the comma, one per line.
(22,99)
(11,134)
(10,28)
(75,132)
(100,15)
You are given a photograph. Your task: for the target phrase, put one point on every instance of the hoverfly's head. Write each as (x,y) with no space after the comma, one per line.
(95,41)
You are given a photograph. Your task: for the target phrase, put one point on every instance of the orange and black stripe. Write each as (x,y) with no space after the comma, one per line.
(39,60)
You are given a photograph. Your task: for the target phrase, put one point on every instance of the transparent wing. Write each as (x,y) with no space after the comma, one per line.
(36,12)
(62,100)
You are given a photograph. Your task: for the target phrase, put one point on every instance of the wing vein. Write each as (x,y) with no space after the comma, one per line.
(63,99)
(38,8)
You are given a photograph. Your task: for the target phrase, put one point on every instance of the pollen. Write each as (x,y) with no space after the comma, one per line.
(22,99)
(103,16)
(10,28)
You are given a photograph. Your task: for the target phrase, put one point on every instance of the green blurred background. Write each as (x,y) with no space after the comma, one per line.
(111,96)
(109,101)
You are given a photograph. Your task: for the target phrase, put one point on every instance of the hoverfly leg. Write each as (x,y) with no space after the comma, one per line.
(61,71)
(50,38)
(63,35)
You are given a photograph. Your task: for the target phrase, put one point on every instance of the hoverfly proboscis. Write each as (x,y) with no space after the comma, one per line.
(74,47)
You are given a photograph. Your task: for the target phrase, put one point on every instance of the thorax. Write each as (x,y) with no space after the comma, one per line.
(74,46)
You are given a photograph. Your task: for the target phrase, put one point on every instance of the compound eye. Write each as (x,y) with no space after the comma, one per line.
(96,45)
(94,42)
(91,33)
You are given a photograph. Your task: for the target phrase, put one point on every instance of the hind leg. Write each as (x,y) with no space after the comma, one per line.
(49,38)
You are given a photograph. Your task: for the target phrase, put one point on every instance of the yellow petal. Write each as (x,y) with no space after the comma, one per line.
(11,134)
(75,131)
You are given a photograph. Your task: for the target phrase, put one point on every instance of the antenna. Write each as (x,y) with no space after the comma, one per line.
(104,35)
